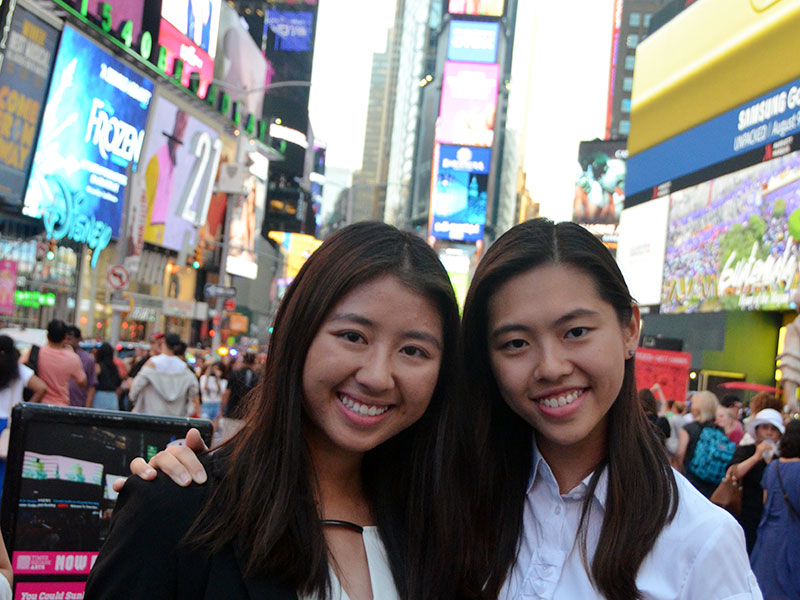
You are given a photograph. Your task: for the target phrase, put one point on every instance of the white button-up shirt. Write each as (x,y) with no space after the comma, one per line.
(700,554)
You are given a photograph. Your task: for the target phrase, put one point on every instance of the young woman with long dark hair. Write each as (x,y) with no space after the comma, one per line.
(576,496)
(579,500)
(350,476)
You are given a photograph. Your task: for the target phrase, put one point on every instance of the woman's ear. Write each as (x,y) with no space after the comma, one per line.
(630,331)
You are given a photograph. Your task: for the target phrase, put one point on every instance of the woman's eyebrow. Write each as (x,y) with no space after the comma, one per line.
(423,336)
(362,320)
(353,317)
(560,321)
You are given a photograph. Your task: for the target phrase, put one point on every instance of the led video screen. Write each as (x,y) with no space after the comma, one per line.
(731,240)
(92,130)
(469,101)
(459,195)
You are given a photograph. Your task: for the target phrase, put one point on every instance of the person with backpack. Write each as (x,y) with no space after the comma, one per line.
(704,450)
(240,382)
(751,461)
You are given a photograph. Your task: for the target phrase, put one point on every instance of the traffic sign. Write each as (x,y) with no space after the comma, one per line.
(213,290)
(230,304)
(117,277)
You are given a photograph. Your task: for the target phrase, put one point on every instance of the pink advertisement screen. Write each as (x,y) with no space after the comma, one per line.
(469,101)
(194,58)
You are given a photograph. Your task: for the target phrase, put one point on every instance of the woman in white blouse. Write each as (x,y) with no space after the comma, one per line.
(579,497)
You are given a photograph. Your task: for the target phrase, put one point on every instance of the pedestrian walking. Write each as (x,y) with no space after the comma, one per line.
(108,379)
(58,365)
(81,395)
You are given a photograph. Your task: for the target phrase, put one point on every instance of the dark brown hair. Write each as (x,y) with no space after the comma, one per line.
(640,480)
(417,482)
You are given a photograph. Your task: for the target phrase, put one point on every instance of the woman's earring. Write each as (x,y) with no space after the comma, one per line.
(631,353)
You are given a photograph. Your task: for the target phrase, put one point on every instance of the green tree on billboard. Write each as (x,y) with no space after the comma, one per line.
(794,224)
(740,239)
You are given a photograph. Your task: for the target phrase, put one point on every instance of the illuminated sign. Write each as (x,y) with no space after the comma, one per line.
(179,164)
(197,20)
(484,8)
(145,49)
(293,30)
(92,130)
(239,63)
(748,127)
(473,41)
(26,67)
(247,212)
(459,194)
(730,241)
(600,188)
(122,14)
(193,58)
(469,101)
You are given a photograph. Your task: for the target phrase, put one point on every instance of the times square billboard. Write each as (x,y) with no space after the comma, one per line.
(87,143)
(458,199)
(468,104)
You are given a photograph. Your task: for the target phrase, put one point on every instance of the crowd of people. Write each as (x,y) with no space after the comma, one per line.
(158,381)
(759,450)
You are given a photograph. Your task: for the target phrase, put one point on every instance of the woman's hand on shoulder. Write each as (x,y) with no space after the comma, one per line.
(181,463)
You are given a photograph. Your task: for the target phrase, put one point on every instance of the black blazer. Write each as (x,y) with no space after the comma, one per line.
(141,558)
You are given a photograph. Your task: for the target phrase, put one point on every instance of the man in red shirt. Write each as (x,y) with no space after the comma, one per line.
(58,364)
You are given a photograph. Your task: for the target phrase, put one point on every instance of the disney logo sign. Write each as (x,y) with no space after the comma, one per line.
(65,219)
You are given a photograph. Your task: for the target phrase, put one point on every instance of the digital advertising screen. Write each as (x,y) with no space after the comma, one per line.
(600,188)
(289,50)
(473,41)
(459,194)
(731,241)
(177,158)
(468,105)
(58,495)
(239,63)
(198,20)
(27,62)
(121,11)
(641,247)
(92,130)
(246,216)
(195,59)
(297,247)
(483,8)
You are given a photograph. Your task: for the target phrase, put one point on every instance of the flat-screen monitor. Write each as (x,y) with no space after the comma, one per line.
(57,496)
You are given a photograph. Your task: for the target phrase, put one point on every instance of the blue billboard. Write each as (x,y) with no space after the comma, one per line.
(92,130)
(473,41)
(292,29)
(764,120)
(459,193)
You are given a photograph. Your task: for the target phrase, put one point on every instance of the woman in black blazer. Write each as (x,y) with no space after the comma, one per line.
(357,425)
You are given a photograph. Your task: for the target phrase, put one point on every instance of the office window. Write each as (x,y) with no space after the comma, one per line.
(632,40)
(647,20)
(625,105)
(624,127)
(629,60)
(635,19)
(627,84)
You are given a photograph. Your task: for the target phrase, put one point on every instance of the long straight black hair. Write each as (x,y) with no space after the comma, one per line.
(640,480)
(419,482)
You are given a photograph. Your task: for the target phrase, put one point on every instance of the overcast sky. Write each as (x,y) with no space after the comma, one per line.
(348,33)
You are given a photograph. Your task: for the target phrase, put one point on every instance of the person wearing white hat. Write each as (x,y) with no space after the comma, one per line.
(766,428)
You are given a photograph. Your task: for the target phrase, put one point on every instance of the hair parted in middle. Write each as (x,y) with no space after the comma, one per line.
(640,479)
(418,482)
